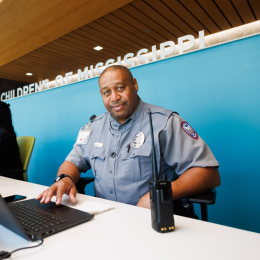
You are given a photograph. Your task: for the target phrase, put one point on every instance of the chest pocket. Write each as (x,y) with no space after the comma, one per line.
(97,161)
(137,164)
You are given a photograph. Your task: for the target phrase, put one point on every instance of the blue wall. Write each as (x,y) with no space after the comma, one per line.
(216,90)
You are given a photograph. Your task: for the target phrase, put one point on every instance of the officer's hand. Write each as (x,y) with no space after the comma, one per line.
(65,185)
(144,202)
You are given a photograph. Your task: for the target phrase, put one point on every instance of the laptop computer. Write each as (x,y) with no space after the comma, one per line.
(30,218)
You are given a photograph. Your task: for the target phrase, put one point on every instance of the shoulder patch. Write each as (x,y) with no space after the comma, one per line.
(189,130)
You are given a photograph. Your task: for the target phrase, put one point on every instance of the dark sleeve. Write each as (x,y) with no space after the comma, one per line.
(10,164)
(5,141)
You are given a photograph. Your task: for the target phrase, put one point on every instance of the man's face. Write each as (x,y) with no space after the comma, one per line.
(119,94)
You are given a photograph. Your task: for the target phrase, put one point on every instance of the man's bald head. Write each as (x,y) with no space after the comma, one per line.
(117,67)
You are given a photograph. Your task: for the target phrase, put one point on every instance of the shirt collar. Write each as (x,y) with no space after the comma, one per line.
(128,123)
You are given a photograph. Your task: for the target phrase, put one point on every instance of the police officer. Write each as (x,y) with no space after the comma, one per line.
(117,147)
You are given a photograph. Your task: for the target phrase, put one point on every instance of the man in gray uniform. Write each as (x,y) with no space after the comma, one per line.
(117,147)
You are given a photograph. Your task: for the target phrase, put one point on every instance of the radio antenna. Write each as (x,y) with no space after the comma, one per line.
(155,171)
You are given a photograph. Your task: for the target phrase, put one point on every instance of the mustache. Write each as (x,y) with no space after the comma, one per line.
(115,104)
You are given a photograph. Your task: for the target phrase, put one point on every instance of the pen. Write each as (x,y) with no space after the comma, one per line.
(128,148)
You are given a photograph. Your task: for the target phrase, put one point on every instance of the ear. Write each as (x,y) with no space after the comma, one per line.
(100,91)
(135,84)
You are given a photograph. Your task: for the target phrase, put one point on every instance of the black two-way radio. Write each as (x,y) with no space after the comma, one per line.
(160,196)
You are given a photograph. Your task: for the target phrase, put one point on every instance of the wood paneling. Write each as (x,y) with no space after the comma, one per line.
(138,25)
(157,17)
(148,22)
(30,24)
(99,40)
(244,10)
(195,9)
(113,34)
(171,16)
(185,15)
(125,26)
(117,42)
(215,14)
(230,12)
(255,5)
(123,32)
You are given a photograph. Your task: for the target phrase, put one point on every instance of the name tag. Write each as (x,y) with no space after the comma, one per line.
(83,136)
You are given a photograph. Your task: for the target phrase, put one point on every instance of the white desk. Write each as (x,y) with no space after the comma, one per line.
(125,233)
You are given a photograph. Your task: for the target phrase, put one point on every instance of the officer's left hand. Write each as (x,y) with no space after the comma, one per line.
(144,202)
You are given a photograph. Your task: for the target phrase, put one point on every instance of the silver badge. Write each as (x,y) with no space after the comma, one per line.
(138,140)
(99,145)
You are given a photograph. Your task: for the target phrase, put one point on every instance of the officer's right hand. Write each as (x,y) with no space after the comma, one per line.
(60,187)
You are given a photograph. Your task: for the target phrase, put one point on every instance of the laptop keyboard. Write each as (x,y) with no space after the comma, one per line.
(32,220)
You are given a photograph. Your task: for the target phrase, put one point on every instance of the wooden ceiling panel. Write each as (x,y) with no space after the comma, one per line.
(126,34)
(116,42)
(17,77)
(56,52)
(16,67)
(72,42)
(55,59)
(201,15)
(100,40)
(255,5)
(31,64)
(151,24)
(57,56)
(213,11)
(230,12)
(157,17)
(244,10)
(86,44)
(93,43)
(115,35)
(171,16)
(185,14)
(53,56)
(137,24)
(42,71)
(129,27)
(30,24)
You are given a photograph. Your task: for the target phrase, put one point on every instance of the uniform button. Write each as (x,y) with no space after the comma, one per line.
(113,155)
(133,154)
(110,171)
(117,136)
(111,191)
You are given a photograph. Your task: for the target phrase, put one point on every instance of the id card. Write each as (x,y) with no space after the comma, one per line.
(83,136)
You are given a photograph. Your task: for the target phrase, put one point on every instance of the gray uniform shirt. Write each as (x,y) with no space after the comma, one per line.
(123,175)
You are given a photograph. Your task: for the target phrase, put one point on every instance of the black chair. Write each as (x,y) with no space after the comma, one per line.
(204,199)
(13,174)
(82,183)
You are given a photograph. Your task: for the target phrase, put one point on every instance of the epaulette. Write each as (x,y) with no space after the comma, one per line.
(96,118)
(99,117)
